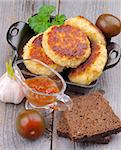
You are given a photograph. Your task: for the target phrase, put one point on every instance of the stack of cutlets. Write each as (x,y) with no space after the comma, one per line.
(91,119)
(77,44)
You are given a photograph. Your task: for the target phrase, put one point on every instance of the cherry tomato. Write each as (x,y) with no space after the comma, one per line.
(109,24)
(30,124)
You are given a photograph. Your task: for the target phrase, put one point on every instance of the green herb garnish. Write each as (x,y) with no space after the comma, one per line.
(58,20)
(9,69)
(40,22)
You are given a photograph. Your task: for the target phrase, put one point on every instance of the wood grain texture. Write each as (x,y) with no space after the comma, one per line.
(110,80)
(10,12)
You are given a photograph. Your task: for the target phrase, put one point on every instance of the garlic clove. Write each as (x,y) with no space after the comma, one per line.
(10,90)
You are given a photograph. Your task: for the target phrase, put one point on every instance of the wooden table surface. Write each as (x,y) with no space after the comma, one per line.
(14,10)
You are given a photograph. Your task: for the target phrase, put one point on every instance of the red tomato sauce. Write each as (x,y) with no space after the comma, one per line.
(44,85)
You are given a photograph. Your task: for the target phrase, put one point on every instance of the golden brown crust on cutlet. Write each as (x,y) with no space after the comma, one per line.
(91,30)
(37,51)
(67,41)
(91,24)
(94,54)
(34,50)
(65,45)
(91,69)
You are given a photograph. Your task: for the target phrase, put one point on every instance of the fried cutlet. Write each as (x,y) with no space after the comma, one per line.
(93,67)
(66,45)
(90,70)
(93,32)
(34,50)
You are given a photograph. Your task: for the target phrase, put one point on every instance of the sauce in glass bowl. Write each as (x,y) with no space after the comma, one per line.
(44,85)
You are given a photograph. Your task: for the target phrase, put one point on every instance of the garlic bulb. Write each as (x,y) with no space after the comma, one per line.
(10,90)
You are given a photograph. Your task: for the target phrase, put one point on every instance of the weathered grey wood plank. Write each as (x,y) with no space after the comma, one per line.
(10,12)
(110,80)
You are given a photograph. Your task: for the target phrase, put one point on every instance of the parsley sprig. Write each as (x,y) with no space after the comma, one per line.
(40,22)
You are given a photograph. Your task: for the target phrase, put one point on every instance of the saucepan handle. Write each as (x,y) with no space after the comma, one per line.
(18,33)
(17,36)
(13,32)
(114,55)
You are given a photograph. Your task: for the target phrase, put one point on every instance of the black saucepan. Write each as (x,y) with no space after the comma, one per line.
(19,33)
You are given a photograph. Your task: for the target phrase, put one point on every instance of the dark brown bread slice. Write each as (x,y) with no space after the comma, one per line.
(91,116)
(101,140)
(63,130)
(62,127)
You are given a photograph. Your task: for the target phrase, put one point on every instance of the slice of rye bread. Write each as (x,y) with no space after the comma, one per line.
(91,117)
(63,130)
